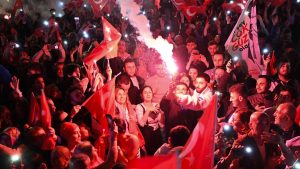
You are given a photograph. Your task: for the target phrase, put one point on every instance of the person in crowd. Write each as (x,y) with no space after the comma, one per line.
(70,133)
(178,137)
(250,151)
(201,97)
(131,70)
(60,157)
(151,120)
(159,82)
(263,97)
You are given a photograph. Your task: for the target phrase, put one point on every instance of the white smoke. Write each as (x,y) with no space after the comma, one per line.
(131,10)
(33,6)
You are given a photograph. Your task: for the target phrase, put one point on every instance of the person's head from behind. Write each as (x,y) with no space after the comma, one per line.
(240,121)
(60,157)
(259,123)
(130,67)
(179,135)
(88,149)
(123,81)
(36,137)
(285,115)
(121,124)
(238,94)
(80,161)
(180,88)
(201,82)
(263,84)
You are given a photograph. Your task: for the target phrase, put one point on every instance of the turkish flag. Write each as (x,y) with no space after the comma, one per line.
(108,47)
(97,6)
(45,112)
(112,36)
(34,111)
(18,5)
(191,11)
(199,150)
(154,162)
(102,102)
(236,6)
(179,4)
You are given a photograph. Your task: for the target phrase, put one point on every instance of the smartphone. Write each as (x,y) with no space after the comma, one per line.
(76,18)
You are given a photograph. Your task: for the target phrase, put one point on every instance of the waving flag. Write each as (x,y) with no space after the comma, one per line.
(102,102)
(34,111)
(97,6)
(243,40)
(189,8)
(108,47)
(199,150)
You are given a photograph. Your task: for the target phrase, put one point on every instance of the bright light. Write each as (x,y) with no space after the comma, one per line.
(214,18)
(55,23)
(148,25)
(246,12)
(94,26)
(85,34)
(168,28)
(6,17)
(126,35)
(228,12)
(53,13)
(21,10)
(298,1)
(108,15)
(17,45)
(265,50)
(85,5)
(235,58)
(65,42)
(60,15)
(218,93)
(107,29)
(248,150)
(15,158)
(46,23)
(144,12)
(61,4)
(297,165)
(226,127)
(231,2)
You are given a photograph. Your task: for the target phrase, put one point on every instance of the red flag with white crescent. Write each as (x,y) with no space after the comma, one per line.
(191,11)
(198,152)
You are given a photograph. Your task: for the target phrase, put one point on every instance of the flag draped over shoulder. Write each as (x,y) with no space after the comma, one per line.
(102,102)
(243,40)
(108,47)
(199,150)
(97,6)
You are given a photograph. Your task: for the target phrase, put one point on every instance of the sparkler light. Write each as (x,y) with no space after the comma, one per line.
(131,11)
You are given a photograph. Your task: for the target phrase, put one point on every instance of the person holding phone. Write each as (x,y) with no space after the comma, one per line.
(251,151)
(150,119)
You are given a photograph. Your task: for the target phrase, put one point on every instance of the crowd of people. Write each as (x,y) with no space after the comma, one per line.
(155,113)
